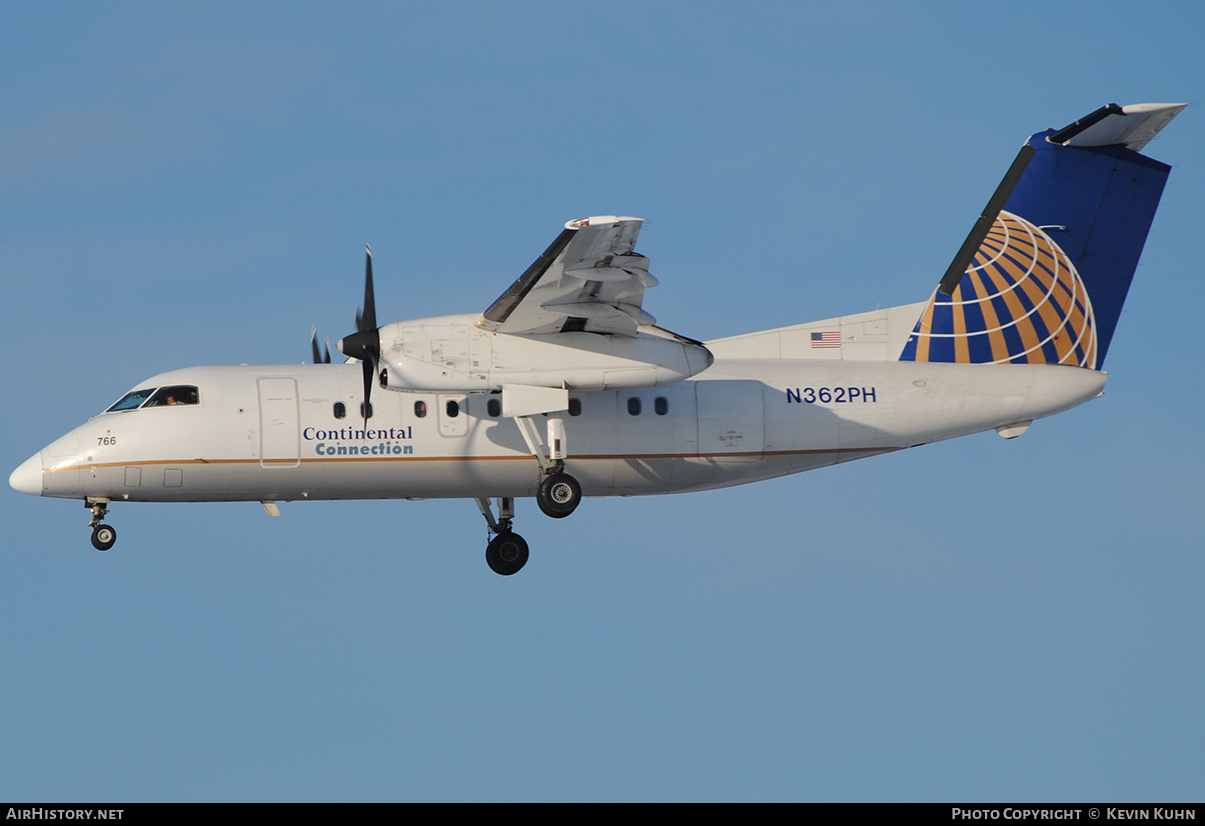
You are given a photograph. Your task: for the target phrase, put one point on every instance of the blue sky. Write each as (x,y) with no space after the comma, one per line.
(974,620)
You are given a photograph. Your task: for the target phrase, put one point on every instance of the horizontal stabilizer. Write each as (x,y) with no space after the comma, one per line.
(1130,126)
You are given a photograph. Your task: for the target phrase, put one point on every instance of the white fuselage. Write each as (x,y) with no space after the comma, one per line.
(264,433)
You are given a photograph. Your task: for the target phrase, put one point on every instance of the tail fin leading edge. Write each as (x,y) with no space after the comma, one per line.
(1043,275)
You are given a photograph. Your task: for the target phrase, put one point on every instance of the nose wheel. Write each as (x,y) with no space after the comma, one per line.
(103,536)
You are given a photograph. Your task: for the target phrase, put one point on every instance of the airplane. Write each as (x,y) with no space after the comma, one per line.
(566,387)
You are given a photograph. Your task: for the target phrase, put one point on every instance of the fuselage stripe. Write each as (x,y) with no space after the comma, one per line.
(584,457)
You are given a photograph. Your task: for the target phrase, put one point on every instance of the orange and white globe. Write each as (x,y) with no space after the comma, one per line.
(1021,300)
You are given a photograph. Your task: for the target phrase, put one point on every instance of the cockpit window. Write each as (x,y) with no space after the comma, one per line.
(131,400)
(173,395)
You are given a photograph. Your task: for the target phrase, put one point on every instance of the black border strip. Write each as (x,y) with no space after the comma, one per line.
(501,309)
(958,267)
(1068,132)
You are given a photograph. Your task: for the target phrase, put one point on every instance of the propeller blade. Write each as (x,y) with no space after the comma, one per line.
(370,371)
(366,319)
(365,343)
(323,356)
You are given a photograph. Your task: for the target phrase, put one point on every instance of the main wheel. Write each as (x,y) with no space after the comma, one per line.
(103,537)
(506,553)
(559,495)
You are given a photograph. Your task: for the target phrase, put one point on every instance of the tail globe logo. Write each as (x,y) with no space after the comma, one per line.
(1021,300)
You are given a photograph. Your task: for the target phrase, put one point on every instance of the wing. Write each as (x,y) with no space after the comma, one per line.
(588,280)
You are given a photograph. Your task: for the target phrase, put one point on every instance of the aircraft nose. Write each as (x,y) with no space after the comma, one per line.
(28,477)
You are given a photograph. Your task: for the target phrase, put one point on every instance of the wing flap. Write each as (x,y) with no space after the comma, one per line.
(588,280)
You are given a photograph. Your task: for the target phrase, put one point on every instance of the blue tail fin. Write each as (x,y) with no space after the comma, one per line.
(1042,277)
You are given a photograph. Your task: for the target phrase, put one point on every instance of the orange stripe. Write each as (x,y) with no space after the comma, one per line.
(987,283)
(923,328)
(1075,320)
(962,353)
(1045,311)
(1017,311)
(586,457)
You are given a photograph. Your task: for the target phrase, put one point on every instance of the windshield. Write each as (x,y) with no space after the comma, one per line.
(169,396)
(173,395)
(131,400)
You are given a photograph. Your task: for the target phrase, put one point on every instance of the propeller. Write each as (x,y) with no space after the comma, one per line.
(365,343)
(325,356)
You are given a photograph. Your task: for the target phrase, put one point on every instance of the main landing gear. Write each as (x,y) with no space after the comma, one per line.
(103,536)
(507,552)
(559,494)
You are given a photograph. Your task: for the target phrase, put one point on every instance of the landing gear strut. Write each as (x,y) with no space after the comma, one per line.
(507,552)
(559,494)
(103,536)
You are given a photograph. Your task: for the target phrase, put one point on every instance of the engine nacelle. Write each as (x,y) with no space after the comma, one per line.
(452,354)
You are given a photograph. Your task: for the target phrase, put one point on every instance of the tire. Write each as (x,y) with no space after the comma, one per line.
(506,554)
(559,495)
(103,537)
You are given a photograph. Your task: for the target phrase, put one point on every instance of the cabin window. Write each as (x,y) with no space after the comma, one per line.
(575,407)
(340,410)
(494,408)
(420,409)
(172,395)
(366,410)
(132,400)
(452,408)
(633,406)
(661,405)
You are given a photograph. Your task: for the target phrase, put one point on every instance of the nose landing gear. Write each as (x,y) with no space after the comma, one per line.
(103,536)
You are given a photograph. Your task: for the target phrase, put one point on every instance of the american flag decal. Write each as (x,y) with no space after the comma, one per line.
(822,341)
